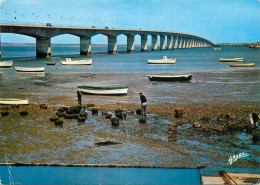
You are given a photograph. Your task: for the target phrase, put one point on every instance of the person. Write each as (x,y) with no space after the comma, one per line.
(143,104)
(79,98)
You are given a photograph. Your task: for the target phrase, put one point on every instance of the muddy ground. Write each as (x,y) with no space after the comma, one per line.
(214,126)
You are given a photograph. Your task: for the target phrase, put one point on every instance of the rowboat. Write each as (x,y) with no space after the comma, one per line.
(50,63)
(165,60)
(104,90)
(242,65)
(29,69)
(68,61)
(13,101)
(6,64)
(186,77)
(231,59)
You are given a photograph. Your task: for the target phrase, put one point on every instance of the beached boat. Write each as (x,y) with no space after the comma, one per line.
(29,69)
(242,65)
(173,78)
(14,101)
(6,64)
(231,59)
(68,61)
(165,60)
(104,90)
(50,63)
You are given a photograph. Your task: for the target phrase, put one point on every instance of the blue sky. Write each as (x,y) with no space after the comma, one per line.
(217,20)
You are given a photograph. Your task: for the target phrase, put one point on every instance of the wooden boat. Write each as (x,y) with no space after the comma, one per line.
(50,63)
(121,90)
(68,61)
(165,60)
(6,64)
(172,78)
(13,101)
(242,65)
(29,69)
(231,59)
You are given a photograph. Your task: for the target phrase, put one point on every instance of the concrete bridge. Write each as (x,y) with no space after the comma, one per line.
(43,35)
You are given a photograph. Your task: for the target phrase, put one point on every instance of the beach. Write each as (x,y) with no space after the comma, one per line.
(206,100)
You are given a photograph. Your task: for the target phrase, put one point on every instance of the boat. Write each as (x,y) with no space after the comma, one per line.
(6,64)
(231,59)
(165,60)
(242,65)
(29,69)
(50,63)
(186,77)
(217,48)
(255,45)
(68,61)
(104,90)
(14,101)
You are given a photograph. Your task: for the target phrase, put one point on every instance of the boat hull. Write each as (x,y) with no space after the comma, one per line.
(6,64)
(231,59)
(50,63)
(242,65)
(77,62)
(163,61)
(13,101)
(180,78)
(103,90)
(30,69)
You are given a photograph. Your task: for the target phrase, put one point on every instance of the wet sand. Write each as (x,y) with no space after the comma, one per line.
(34,138)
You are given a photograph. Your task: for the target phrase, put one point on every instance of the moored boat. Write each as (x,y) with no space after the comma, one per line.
(217,48)
(29,69)
(184,78)
(242,65)
(6,64)
(165,60)
(68,61)
(50,63)
(255,45)
(231,59)
(14,101)
(104,90)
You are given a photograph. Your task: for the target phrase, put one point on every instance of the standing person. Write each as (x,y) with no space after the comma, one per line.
(79,98)
(143,104)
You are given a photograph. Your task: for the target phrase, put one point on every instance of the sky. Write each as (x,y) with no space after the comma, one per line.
(220,21)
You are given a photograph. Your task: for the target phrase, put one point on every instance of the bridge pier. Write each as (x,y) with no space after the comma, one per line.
(176,41)
(43,47)
(144,44)
(0,49)
(130,43)
(154,42)
(169,42)
(112,44)
(162,42)
(85,45)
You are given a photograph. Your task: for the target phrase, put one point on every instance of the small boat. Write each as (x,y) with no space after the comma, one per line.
(13,101)
(104,90)
(255,45)
(29,69)
(172,78)
(165,60)
(50,63)
(231,59)
(242,65)
(217,48)
(6,64)
(68,61)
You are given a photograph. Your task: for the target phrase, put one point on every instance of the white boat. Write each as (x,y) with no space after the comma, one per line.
(14,101)
(104,90)
(6,64)
(242,65)
(217,48)
(68,61)
(172,78)
(165,60)
(29,69)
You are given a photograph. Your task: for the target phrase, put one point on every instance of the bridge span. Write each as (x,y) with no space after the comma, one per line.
(43,35)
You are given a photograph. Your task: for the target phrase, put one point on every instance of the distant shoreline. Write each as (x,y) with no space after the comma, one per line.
(59,45)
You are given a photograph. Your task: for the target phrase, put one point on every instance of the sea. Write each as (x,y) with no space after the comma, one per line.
(188,60)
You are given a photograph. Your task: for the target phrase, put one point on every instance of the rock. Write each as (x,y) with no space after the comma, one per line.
(108,116)
(81,119)
(83,114)
(24,113)
(172,128)
(256,136)
(118,111)
(53,119)
(61,114)
(94,111)
(142,120)
(138,112)
(115,121)
(197,124)
(90,105)
(58,123)
(43,106)
(5,113)
(219,128)
(76,109)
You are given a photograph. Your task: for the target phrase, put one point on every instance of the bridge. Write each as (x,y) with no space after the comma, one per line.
(43,35)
